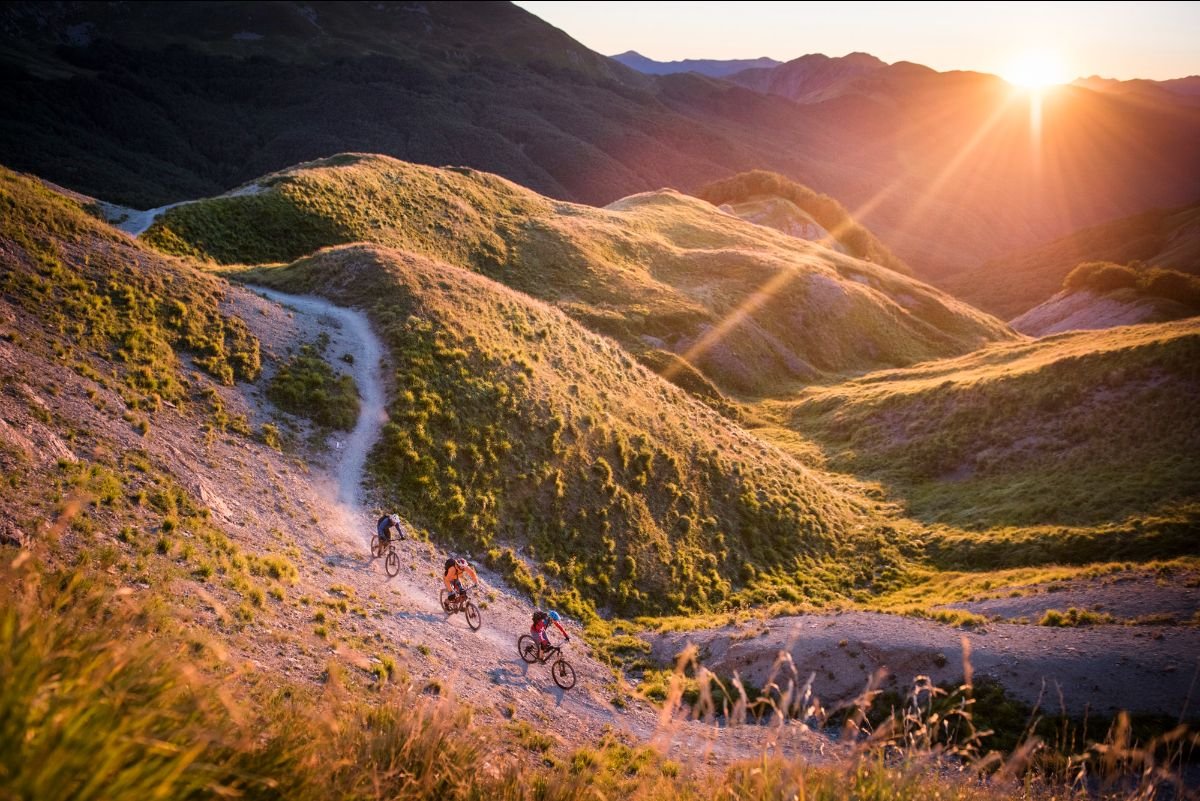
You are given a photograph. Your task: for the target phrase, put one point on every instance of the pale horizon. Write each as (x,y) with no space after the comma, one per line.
(1155,41)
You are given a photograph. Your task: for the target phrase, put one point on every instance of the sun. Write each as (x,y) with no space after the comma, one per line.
(1036,69)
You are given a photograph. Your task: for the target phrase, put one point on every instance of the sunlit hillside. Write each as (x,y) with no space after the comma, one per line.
(665,274)
(1081,429)
(512,426)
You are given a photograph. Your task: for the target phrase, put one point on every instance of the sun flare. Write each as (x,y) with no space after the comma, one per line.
(1036,69)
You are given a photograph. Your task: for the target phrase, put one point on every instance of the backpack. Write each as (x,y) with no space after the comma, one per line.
(449,564)
(539,616)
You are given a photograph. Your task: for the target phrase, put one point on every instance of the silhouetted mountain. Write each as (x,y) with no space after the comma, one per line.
(145,104)
(714,68)
(1180,90)
(810,78)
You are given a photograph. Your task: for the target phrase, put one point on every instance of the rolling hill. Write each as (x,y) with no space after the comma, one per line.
(132,105)
(512,427)
(667,275)
(1083,430)
(1167,238)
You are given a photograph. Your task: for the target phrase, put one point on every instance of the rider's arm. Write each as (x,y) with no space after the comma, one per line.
(560,628)
(474,575)
(446,580)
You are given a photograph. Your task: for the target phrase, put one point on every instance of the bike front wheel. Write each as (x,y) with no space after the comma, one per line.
(527,647)
(392,563)
(474,619)
(563,674)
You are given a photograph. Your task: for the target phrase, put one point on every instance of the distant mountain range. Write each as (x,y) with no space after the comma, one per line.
(714,68)
(134,105)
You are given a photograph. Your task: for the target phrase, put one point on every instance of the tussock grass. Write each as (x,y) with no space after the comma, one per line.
(1077,442)
(93,711)
(517,433)
(656,271)
(308,386)
(98,292)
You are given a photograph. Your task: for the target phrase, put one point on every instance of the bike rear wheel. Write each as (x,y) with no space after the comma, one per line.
(392,563)
(474,619)
(527,647)
(442,596)
(375,545)
(563,674)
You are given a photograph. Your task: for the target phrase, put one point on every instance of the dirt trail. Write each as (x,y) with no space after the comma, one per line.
(136,223)
(482,667)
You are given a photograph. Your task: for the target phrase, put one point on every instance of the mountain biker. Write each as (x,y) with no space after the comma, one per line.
(384,529)
(456,568)
(541,622)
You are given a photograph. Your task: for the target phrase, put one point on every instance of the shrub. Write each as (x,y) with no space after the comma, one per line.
(1100,276)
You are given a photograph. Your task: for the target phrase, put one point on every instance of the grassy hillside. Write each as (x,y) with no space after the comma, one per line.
(1008,286)
(1080,429)
(98,293)
(824,210)
(751,308)
(513,425)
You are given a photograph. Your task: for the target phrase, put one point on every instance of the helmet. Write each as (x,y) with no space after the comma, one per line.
(395,518)
(460,563)
(553,616)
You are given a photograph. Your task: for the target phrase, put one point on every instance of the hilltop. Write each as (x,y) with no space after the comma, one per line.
(1167,238)
(769,199)
(672,278)
(93,101)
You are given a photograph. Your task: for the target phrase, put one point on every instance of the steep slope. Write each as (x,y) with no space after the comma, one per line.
(764,198)
(751,308)
(1168,238)
(144,106)
(1077,429)
(514,428)
(713,68)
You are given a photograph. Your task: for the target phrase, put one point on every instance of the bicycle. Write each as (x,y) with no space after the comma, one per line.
(464,604)
(391,561)
(560,669)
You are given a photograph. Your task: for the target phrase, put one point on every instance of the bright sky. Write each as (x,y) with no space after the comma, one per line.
(1123,40)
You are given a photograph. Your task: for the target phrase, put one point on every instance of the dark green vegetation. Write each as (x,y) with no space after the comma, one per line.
(1155,282)
(513,426)
(1168,239)
(1089,440)
(751,309)
(98,293)
(306,385)
(824,210)
(138,106)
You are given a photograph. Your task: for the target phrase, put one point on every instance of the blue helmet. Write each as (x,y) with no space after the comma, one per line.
(553,616)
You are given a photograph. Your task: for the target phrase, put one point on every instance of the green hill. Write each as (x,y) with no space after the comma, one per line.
(753,309)
(102,295)
(1083,429)
(513,426)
